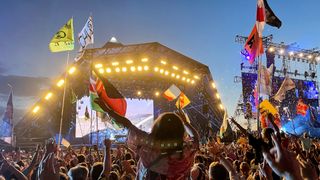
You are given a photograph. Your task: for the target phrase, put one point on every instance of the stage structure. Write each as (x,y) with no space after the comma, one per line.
(141,72)
(289,60)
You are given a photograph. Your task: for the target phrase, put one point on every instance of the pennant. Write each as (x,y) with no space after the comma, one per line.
(302,108)
(63,40)
(183,101)
(86,114)
(85,37)
(253,45)
(110,95)
(286,85)
(65,143)
(172,93)
(266,79)
(7,120)
(271,18)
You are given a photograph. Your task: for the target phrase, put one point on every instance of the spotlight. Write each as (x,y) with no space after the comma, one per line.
(139,93)
(188,80)
(124,69)
(163,62)
(196,77)
(144,60)
(291,53)
(139,68)
(117,69)
(271,49)
(175,67)
(301,55)
(48,96)
(133,69)
(318,58)
(146,68)
(310,56)
(281,51)
(98,65)
(36,109)
(157,93)
(183,78)
(192,82)
(101,71)
(161,71)
(217,96)
(185,72)
(156,69)
(60,83)
(72,70)
(108,70)
(115,63)
(221,106)
(129,61)
(213,85)
(173,75)
(166,73)
(178,76)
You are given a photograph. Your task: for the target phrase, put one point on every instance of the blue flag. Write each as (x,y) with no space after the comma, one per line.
(6,123)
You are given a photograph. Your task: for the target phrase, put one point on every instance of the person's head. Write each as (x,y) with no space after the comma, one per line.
(78,173)
(63,176)
(114,175)
(198,159)
(305,135)
(218,172)
(197,172)
(96,170)
(168,127)
(81,158)
(127,156)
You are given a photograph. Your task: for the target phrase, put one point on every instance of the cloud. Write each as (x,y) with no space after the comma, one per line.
(23,85)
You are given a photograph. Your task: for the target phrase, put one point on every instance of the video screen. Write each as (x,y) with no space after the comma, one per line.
(139,112)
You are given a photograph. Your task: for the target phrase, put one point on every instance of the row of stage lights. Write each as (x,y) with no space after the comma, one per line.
(160,70)
(73,69)
(294,55)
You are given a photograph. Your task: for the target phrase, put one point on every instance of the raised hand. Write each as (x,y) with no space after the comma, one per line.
(282,162)
(307,169)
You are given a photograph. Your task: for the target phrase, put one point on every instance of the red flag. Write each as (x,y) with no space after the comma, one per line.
(253,45)
(261,17)
(302,108)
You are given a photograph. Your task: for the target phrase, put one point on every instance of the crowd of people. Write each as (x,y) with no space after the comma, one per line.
(171,151)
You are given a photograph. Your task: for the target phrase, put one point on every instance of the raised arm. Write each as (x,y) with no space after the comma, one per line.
(5,167)
(107,160)
(118,118)
(28,170)
(188,125)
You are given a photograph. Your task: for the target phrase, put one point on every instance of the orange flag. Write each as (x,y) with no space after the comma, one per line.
(254,45)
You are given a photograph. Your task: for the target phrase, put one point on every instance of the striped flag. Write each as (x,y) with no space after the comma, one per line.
(261,17)
(172,93)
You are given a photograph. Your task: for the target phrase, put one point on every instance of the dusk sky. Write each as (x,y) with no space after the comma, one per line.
(203,30)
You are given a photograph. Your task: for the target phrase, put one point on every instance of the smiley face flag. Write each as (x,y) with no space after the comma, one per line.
(63,40)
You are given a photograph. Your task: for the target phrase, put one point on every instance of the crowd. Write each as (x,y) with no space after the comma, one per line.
(171,151)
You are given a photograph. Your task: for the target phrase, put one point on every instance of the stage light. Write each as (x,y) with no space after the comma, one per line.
(213,85)
(221,106)
(175,67)
(146,68)
(115,63)
(48,96)
(133,69)
(271,49)
(117,69)
(310,57)
(291,53)
(101,71)
(318,58)
(185,72)
(60,83)
(196,77)
(72,70)
(281,51)
(301,55)
(129,61)
(166,73)
(139,93)
(183,78)
(178,76)
(108,70)
(161,71)
(157,94)
(144,60)
(192,82)
(124,69)
(217,96)
(156,69)
(139,68)
(36,109)
(188,80)
(173,75)
(98,65)
(163,62)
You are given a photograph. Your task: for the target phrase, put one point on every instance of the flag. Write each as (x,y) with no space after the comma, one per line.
(224,125)
(226,133)
(261,17)
(183,101)
(63,40)
(271,18)
(86,113)
(93,94)
(172,93)
(266,79)
(265,108)
(253,45)
(286,85)
(85,37)
(65,143)
(110,95)
(302,108)
(7,120)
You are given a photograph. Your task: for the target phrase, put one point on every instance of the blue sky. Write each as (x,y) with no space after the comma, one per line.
(203,30)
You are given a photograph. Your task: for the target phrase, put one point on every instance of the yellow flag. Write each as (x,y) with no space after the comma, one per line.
(266,107)
(183,100)
(63,40)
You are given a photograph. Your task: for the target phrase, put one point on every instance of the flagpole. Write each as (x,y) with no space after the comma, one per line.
(63,100)
(258,93)
(13,143)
